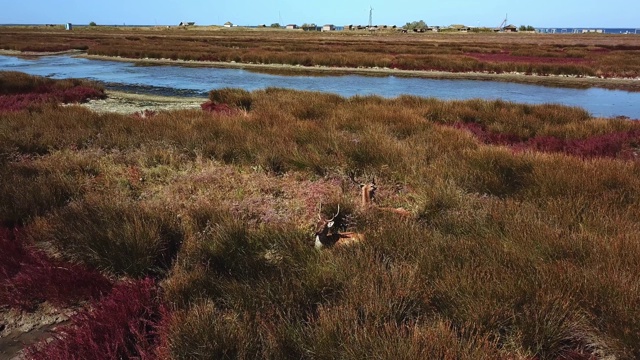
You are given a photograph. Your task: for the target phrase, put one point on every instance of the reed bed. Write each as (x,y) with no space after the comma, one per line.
(510,251)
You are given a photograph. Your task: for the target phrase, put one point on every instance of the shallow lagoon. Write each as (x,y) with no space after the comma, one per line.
(198,81)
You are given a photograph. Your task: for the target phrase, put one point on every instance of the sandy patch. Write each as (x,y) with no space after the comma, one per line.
(127,103)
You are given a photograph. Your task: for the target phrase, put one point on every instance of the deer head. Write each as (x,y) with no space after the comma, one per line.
(367,190)
(325,235)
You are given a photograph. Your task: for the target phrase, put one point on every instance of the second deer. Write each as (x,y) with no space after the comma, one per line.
(367,194)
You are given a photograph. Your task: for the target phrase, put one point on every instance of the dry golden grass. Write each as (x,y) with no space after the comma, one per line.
(508,254)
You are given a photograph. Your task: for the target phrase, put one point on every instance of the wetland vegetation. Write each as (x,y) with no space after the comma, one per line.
(189,233)
(593,56)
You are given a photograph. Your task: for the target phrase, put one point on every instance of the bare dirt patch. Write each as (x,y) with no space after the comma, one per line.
(127,103)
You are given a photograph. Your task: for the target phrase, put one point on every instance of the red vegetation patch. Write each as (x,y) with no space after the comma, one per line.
(488,137)
(622,145)
(28,277)
(48,95)
(508,58)
(123,325)
(212,107)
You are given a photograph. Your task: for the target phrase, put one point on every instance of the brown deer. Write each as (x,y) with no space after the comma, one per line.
(327,234)
(368,193)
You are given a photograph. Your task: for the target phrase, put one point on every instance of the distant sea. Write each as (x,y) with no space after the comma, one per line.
(561,30)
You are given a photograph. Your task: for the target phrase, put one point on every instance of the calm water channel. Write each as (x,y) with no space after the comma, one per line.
(186,81)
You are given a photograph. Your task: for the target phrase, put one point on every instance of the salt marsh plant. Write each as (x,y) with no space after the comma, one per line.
(509,252)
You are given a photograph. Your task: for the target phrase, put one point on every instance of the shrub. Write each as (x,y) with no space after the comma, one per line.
(120,237)
(232,97)
(28,277)
(27,191)
(20,91)
(121,325)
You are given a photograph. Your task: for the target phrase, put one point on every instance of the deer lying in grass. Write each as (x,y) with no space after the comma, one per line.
(367,193)
(327,234)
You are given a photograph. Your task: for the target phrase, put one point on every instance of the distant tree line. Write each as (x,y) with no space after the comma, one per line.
(526,28)
(415,25)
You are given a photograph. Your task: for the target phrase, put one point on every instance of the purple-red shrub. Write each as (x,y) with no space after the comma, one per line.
(614,145)
(123,325)
(212,107)
(79,94)
(20,91)
(488,137)
(28,277)
(23,101)
(623,144)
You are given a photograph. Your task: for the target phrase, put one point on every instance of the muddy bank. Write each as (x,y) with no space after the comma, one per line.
(19,329)
(40,53)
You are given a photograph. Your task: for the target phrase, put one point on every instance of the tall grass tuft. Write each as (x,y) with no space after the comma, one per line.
(238,98)
(119,237)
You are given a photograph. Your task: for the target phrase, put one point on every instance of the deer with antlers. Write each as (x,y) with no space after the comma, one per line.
(367,193)
(327,234)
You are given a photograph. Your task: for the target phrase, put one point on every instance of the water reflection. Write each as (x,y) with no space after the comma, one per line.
(196,81)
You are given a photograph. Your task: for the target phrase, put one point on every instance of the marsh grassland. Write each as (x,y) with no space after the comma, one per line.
(189,233)
(584,56)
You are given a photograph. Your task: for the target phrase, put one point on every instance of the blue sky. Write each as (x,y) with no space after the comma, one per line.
(540,13)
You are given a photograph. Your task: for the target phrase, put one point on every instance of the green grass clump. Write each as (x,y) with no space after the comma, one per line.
(233,97)
(120,238)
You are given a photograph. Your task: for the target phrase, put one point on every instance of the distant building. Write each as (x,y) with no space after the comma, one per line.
(328,27)
(510,28)
(228,24)
(186,23)
(292,26)
(460,28)
(68,26)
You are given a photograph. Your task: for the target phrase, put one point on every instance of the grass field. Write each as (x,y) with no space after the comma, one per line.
(190,232)
(572,55)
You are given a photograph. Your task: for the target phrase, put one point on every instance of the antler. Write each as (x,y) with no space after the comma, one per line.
(337,212)
(320,212)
